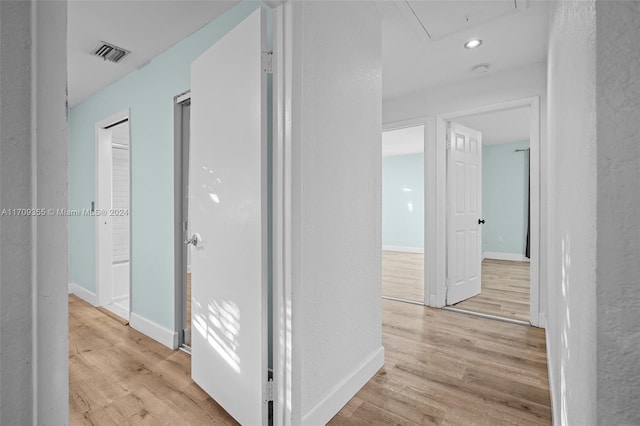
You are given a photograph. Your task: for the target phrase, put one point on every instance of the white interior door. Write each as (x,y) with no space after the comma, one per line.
(464,193)
(228,212)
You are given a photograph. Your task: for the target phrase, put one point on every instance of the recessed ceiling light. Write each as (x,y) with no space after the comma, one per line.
(481,68)
(473,43)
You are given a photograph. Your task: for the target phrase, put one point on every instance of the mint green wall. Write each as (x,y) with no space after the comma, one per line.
(504,197)
(148,93)
(403,201)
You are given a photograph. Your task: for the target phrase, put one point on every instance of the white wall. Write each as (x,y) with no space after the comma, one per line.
(618,268)
(571,326)
(336,138)
(33,252)
(520,83)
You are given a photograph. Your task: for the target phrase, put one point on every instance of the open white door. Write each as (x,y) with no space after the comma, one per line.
(464,189)
(228,222)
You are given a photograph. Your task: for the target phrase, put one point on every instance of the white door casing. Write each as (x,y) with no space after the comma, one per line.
(228,212)
(103,203)
(464,194)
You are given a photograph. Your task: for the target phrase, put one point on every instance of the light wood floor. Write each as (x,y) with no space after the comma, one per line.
(441,368)
(505,290)
(119,376)
(403,275)
(452,369)
(505,284)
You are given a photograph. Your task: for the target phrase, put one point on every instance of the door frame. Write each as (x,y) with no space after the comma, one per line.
(426,258)
(103,240)
(282,218)
(180,264)
(435,278)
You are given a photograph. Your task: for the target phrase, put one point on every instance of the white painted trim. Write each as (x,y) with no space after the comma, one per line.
(84,294)
(345,390)
(397,125)
(186,96)
(437,197)
(542,321)
(283,215)
(504,256)
(161,334)
(103,237)
(404,249)
(117,310)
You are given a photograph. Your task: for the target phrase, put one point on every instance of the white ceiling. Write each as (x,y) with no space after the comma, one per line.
(409,140)
(496,127)
(514,34)
(146,28)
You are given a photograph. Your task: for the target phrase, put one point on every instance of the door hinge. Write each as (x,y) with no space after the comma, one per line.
(448,137)
(270,391)
(267,62)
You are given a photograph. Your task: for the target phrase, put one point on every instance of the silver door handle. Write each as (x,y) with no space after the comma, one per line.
(194,240)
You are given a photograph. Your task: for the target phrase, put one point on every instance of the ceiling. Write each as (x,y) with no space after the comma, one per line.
(496,127)
(146,28)
(422,41)
(408,140)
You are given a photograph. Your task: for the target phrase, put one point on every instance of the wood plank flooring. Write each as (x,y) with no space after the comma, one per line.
(505,284)
(505,290)
(119,376)
(452,369)
(403,275)
(441,368)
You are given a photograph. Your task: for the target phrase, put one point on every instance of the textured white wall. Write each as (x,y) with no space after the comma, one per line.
(16,314)
(33,252)
(336,177)
(571,325)
(618,265)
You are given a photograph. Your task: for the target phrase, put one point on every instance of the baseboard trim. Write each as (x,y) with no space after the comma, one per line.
(345,390)
(404,249)
(555,416)
(119,311)
(542,320)
(504,256)
(84,294)
(167,337)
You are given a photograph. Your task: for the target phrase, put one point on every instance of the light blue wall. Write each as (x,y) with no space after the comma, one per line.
(403,201)
(504,197)
(148,93)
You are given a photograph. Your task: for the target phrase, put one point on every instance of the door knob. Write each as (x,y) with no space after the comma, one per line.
(194,240)
(480,221)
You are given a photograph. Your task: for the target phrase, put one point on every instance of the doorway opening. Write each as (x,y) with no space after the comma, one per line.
(403,214)
(112,214)
(182,119)
(505,249)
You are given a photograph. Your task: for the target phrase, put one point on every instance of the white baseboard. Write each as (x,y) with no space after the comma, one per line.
(404,249)
(167,337)
(542,320)
(504,256)
(83,293)
(118,310)
(345,390)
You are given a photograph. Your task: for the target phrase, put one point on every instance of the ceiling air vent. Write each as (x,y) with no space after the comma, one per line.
(109,52)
